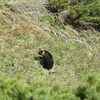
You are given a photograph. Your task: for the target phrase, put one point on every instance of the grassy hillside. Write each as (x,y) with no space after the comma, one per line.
(27,26)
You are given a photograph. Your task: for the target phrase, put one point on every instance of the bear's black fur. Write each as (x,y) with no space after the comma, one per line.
(46,60)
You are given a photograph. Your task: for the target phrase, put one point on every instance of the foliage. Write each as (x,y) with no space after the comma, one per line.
(18,89)
(89,89)
(59,5)
(87,11)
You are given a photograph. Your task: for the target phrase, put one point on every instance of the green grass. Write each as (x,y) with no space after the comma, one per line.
(72,61)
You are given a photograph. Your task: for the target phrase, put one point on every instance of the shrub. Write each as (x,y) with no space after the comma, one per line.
(90,89)
(82,13)
(59,5)
(18,89)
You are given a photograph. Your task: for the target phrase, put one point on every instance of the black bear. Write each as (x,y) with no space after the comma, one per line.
(46,59)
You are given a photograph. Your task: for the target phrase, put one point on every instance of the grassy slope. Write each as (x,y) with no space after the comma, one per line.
(20,39)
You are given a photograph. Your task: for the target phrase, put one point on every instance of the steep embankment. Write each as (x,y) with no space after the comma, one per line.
(26,26)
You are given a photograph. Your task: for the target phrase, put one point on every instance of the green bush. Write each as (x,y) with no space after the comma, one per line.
(59,5)
(87,11)
(18,89)
(90,90)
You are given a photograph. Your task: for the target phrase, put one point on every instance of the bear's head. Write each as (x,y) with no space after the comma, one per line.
(40,52)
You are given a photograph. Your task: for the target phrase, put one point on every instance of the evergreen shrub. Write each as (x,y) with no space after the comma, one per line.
(82,13)
(19,89)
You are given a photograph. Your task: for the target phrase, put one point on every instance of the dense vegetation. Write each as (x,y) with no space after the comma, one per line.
(82,13)
(26,26)
(18,89)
